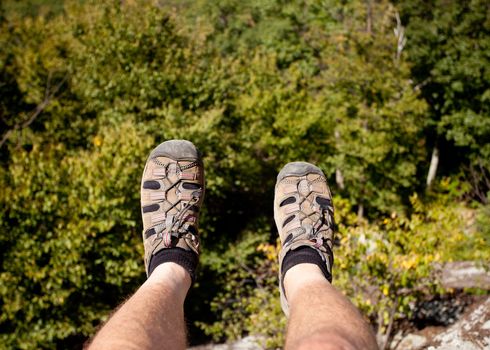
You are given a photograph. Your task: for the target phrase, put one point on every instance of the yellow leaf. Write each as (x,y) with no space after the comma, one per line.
(97,141)
(386,290)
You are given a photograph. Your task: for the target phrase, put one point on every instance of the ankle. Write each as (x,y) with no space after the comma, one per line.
(172,277)
(302,276)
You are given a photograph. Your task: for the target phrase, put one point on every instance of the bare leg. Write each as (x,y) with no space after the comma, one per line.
(320,316)
(153,317)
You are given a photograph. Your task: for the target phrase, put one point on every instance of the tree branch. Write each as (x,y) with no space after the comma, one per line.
(48,96)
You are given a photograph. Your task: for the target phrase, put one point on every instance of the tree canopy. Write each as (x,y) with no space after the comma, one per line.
(365,89)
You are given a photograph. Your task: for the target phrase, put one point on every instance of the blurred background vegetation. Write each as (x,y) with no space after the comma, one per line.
(390,99)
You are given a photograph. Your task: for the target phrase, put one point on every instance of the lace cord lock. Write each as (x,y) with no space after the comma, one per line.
(318,242)
(167,240)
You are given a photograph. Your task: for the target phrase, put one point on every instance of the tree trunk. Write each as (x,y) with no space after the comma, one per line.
(369,17)
(434,162)
(339,177)
(360,212)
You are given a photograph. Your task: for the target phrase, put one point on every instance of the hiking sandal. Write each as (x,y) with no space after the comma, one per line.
(172,191)
(303,212)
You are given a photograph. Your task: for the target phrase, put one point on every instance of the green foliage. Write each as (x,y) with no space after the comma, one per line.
(324,90)
(448,45)
(249,301)
(386,267)
(483,224)
(88,89)
(32,8)
(71,244)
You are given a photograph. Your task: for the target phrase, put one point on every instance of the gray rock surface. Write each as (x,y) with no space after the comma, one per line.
(247,343)
(470,332)
(411,341)
(465,274)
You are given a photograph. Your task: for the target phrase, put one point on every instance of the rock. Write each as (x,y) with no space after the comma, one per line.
(247,343)
(465,274)
(471,332)
(412,341)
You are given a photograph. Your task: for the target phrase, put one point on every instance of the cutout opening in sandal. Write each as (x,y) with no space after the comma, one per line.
(324,202)
(288,220)
(151,208)
(151,185)
(190,186)
(287,201)
(150,232)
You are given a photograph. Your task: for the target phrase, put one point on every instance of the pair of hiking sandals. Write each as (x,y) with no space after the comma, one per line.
(172,193)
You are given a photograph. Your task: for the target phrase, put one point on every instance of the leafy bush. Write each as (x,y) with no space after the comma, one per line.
(86,91)
(70,247)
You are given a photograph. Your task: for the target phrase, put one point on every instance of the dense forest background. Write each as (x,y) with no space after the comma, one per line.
(390,99)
